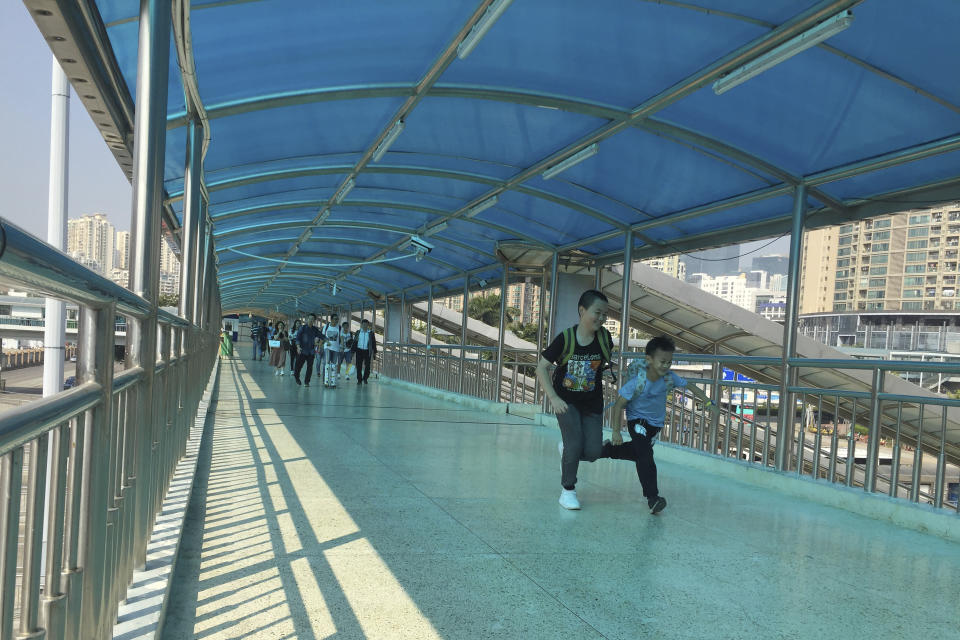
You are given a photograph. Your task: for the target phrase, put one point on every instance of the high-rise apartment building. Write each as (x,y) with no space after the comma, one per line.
(123,250)
(90,239)
(901,262)
(817,270)
(169,262)
(670,265)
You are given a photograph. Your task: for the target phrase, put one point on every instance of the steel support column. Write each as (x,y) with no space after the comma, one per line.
(149,149)
(192,210)
(54,332)
(552,323)
(788,374)
(498,374)
(625,298)
(429,314)
(463,330)
(197,258)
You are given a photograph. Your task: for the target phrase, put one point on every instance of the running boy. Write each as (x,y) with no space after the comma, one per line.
(575,393)
(645,398)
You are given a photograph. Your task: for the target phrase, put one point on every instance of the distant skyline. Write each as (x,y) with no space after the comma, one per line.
(95,181)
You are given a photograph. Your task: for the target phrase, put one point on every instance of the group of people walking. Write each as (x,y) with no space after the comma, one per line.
(330,346)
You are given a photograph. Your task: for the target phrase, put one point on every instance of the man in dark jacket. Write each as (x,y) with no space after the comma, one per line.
(366,349)
(307,343)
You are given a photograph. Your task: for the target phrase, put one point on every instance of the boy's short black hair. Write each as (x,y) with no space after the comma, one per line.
(660,343)
(589,297)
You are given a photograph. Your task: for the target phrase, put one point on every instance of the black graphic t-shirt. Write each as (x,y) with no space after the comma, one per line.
(578,382)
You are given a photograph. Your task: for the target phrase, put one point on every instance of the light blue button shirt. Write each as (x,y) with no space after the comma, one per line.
(650,404)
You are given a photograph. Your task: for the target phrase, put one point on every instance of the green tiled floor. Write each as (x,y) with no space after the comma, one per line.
(377,513)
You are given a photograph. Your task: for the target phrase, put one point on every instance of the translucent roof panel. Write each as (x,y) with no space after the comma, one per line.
(341,129)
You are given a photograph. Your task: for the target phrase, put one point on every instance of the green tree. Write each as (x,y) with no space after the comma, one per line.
(526,331)
(486,309)
(168,300)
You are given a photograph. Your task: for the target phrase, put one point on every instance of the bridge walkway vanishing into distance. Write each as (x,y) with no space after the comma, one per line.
(376,512)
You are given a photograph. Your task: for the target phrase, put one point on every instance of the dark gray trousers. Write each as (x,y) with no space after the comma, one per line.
(582,440)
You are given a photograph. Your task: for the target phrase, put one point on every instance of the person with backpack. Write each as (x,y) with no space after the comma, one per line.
(645,396)
(575,392)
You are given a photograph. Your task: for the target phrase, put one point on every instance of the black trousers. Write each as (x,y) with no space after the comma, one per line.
(293,358)
(301,359)
(639,449)
(363,364)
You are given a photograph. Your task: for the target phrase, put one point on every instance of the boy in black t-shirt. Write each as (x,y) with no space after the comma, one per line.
(575,393)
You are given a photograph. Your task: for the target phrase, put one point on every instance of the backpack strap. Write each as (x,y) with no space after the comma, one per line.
(606,343)
(569,346)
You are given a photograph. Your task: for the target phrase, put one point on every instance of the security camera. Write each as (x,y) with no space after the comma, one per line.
(420,245)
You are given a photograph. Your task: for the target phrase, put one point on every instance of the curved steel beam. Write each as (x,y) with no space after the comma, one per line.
(373,204)
(356,225)
(466,176)
(390,266)
(362,283)
(440,263)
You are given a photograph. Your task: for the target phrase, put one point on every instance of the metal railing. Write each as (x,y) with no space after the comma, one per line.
(470,370)
(746,429)
(83,472)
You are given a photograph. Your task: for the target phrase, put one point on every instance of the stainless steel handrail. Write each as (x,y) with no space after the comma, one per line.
(35,264)
(28,422)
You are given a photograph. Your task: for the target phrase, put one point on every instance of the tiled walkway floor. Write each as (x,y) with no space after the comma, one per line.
(376,513)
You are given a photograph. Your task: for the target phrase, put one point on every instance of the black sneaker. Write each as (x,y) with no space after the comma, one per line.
(657,504)
(297,380)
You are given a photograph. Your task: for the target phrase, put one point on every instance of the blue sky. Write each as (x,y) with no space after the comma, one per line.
(96,183)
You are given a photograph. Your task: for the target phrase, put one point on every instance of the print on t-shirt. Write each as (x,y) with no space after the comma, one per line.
(581,374)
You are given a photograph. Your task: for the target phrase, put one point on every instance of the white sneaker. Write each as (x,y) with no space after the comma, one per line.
(276,373)
(281,372)
(568,499)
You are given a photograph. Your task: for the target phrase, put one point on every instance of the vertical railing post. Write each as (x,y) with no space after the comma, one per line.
(873,442)
(95,364)
(715,396)
(785,420)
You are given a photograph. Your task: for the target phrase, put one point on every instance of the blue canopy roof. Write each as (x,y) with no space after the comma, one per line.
(298,96)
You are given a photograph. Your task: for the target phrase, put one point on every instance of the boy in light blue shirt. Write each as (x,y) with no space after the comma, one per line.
(645,399)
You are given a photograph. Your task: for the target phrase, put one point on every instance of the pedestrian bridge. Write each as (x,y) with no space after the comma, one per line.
(378,512)
(343,159)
